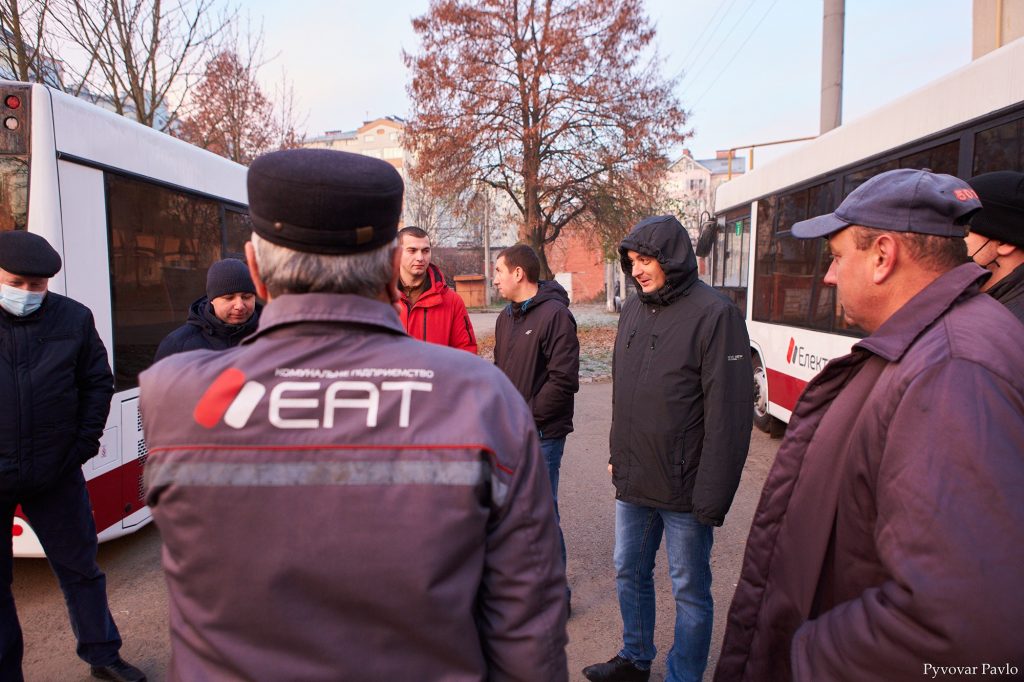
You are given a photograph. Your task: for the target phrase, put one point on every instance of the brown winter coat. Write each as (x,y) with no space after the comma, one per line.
(338,501)
(890,532)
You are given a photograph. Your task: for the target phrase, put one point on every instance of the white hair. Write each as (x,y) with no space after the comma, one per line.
(286,271)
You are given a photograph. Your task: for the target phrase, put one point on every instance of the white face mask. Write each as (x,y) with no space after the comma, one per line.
(20,302)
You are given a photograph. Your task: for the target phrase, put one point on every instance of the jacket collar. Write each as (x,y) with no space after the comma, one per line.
(899,332)
(342,308)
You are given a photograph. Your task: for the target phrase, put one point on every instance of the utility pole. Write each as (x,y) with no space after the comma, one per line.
(487,249)
(833,28)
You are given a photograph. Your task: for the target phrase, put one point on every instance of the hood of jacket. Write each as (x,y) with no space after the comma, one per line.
(201,315)
(662,238)
(547,290)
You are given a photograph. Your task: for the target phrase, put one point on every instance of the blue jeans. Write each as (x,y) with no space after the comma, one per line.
(61,516)
(552,449)
(638,532)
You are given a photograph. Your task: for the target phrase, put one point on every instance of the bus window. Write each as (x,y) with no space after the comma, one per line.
(237,231)
(999,148)
(858,178)
(162,243)
(942,159)
(790,271)
(13,193)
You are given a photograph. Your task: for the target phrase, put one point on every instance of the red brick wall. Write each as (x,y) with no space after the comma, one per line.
(576,251)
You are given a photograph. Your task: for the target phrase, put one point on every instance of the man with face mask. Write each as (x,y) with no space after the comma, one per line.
(55,388)
(996,237)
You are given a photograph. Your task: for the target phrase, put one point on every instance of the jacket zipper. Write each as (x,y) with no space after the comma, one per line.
(629,341)
(424,324)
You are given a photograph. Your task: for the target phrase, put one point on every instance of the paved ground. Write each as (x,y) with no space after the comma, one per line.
(139,602)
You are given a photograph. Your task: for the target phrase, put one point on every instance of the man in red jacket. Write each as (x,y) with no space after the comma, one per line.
(430,310)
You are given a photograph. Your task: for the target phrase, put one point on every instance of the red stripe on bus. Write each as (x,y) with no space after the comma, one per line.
(217,399)
(784,389)
(113,495)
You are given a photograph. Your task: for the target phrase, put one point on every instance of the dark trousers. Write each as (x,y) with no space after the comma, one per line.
(61,516)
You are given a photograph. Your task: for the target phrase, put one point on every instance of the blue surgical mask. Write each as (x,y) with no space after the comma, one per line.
(20,302)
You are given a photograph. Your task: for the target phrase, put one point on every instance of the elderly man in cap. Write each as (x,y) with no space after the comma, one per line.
(55,391)
(996,237)
(890,534)
(337,500)
(223,317)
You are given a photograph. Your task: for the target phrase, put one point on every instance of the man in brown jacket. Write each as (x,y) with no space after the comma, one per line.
(338,501)
(890,534)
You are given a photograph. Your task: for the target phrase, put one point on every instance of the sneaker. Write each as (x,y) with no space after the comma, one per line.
(618,669)
(119,671)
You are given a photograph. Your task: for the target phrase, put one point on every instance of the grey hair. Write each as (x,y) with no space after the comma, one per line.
(286,271)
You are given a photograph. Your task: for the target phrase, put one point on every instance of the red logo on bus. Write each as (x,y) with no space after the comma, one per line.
(790,354)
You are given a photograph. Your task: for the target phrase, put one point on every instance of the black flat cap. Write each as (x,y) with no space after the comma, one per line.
(1002,206)
(26,254)
(323,201)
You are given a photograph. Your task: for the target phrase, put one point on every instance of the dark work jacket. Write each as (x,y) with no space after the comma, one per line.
(890,531)
(338,501)
(682,398)
(55,389)
(535,345)
(1010,292)
(205,331)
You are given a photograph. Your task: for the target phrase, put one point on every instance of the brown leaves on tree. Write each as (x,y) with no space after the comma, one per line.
(230,114)
(553,102)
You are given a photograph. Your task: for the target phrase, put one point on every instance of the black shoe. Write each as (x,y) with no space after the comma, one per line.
(119,671)
(618,669)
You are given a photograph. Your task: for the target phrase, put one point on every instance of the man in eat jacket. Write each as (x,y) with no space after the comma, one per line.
(890,534)
(430,310)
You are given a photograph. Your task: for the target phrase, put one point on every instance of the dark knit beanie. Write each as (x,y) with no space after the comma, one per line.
(26,254)
(228,276)
(1002,206)
(324,201)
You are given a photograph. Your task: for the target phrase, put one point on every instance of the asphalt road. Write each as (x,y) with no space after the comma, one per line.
(139,603)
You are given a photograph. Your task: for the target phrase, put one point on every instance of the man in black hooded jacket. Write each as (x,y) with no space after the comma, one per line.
(536,346)
(682,409)
(227,314)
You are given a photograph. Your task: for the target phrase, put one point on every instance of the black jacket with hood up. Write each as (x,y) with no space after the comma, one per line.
(205,331)
(682,397)
(535,345)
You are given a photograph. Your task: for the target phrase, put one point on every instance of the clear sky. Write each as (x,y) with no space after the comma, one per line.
(751,68)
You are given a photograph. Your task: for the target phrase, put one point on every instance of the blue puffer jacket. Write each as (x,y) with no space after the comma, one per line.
(55,388)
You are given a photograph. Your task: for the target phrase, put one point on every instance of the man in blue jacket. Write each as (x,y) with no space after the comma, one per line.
(55,388)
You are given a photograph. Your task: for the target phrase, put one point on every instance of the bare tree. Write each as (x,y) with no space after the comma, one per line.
(548,101)
(24,26)
(144,55)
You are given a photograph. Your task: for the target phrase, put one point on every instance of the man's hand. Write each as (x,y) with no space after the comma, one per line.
(609,468)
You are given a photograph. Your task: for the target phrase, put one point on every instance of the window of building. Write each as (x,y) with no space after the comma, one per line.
(369,138)
(392,153)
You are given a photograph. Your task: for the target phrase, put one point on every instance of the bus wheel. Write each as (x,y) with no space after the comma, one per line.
(762,420)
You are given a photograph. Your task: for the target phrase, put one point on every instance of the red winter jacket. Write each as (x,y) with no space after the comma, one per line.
(439,315)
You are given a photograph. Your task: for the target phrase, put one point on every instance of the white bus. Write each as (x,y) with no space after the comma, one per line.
(969,122)
(137,217)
